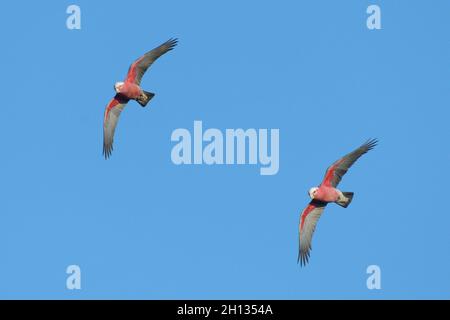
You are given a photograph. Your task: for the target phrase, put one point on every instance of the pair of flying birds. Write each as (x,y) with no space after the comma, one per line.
(326,193)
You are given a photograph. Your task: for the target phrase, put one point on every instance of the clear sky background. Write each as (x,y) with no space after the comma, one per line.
(141,227)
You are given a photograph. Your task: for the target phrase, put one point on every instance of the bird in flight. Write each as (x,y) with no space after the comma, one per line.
(130,89)
(324,194)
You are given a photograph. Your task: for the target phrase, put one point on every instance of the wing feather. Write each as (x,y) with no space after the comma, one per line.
(337,170)
(112,113)
(307,225)
(140,66)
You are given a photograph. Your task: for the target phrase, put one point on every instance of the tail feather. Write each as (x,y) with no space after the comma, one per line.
(144,98)
(346,200)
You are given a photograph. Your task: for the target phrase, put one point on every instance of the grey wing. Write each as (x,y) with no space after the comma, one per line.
(337,170)
(307,225)
(112,113)
(140,66)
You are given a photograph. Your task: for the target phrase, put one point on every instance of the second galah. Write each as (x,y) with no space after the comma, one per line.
(130,89)
(324,194)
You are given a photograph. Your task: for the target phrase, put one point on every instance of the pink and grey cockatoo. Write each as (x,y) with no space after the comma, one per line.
(130,90)
(324,194)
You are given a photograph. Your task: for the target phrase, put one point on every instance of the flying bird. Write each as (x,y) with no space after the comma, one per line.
(324,194)
(130,89)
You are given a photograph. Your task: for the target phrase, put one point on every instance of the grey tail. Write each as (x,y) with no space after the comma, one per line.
(348,196)
(144,98)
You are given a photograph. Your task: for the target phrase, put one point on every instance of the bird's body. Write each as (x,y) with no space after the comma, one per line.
(324,194)
(327,194)
(130,89)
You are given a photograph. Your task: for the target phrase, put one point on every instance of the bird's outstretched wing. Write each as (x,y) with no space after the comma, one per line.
(112,113)
(138,68)
(307,225)
(337,170)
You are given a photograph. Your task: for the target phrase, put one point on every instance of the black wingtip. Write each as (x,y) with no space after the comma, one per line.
(303,258)
(371,143)
(107,152)
(172,42)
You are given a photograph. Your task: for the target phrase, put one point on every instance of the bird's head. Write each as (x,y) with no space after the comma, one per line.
(118,86)
(312,192)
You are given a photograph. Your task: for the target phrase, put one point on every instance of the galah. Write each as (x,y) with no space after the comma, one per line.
(324,194)
(128,90)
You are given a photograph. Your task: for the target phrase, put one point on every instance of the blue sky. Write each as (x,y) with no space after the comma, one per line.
(141,227)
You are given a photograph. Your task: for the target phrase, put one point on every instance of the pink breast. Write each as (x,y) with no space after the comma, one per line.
(131,90)
(327,194)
